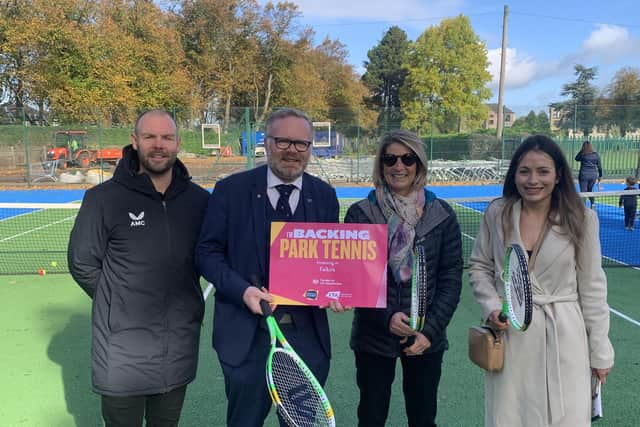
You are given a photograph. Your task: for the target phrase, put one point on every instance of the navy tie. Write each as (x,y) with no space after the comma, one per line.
(283,208)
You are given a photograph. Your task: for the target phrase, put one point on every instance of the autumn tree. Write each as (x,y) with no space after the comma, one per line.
(219,40)
(143,49)
(446,78)
(624,98)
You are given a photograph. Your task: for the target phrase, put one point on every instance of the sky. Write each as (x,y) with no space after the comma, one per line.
(545,38)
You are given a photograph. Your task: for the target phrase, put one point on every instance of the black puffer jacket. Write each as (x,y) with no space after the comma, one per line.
(131,250)
(438,232)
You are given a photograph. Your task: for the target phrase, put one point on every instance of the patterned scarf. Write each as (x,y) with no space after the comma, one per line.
(402,215)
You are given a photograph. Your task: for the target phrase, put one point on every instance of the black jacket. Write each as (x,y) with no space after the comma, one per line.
(438,232)
(590,166)
(131,250)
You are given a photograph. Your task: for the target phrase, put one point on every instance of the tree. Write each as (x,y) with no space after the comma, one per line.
(530,124)
(579,112)
(624,100)
(219,40)
(384,76)
(447,78)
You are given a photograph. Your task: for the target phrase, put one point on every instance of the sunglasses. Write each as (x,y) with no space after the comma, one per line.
(408,159)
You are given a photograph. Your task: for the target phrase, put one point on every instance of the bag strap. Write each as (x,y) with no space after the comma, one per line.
(497,335)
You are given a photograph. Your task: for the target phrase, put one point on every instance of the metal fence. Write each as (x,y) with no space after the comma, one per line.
(231,144)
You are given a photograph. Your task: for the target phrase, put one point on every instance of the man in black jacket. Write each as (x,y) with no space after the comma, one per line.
(131,250)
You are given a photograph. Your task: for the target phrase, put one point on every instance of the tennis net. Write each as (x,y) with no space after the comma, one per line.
(34,236)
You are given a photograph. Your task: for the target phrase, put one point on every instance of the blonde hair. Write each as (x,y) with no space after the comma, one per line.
(413,143)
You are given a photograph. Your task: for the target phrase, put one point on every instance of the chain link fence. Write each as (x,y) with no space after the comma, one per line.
(49,152)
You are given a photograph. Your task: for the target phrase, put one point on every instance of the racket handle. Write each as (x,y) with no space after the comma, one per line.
(502,317)
(266,308)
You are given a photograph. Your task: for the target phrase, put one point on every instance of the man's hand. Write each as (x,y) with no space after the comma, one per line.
(252,297)
(336,306)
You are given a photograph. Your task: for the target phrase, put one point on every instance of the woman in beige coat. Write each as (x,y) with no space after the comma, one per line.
(546,378)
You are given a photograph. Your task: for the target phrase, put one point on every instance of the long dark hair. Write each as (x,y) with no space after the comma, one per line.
(587,147)
(567,210)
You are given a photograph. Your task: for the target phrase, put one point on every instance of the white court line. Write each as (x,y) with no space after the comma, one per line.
(614,311)
(36,229)
(19,215)
(624,316)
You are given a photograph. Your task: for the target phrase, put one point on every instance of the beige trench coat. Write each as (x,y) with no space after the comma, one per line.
(545,380)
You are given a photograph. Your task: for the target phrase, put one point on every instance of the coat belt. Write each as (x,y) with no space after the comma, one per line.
(555,398)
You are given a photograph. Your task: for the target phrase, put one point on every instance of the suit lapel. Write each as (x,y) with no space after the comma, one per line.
(307,198)
(259,200)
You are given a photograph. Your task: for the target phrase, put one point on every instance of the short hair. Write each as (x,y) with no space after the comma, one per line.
(413,143)
(283,113)
(631,180)
(154,112)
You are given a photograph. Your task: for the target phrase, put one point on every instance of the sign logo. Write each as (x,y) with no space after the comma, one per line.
(311,294)
(137,220)
(333,295)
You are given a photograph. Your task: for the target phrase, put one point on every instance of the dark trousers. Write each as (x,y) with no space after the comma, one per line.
(160,410)
(629,215)
(420,379)
(586,184)
(245,385)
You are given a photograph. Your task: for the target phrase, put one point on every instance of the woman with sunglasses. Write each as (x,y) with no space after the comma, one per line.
(415,217)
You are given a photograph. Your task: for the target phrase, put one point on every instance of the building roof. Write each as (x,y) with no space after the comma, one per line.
(494,108)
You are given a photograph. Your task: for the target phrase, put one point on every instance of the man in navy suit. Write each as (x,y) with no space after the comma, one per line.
(233,254)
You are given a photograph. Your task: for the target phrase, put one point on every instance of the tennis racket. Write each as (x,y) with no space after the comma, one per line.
(419,291)
(294,389)
(518,301)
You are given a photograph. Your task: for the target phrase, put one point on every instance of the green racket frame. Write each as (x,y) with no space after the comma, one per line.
(418,311)
(276,334)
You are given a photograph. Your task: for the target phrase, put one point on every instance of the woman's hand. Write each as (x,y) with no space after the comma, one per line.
(420,345)
(399,325)
(601,374)
(494,322)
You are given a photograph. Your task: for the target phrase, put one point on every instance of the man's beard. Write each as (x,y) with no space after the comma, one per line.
(154,168)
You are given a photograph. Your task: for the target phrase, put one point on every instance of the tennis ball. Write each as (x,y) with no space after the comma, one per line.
(54,263)
(42,272)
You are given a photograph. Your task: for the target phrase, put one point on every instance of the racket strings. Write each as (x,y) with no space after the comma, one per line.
(520,299)
(419,290)
(422,282)
(300,403)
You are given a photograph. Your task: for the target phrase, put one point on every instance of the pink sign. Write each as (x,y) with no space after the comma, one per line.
(314,263)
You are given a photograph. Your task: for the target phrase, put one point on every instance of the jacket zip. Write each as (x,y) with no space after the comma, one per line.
(166,296)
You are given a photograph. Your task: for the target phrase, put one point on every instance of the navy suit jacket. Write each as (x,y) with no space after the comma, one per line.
(231,251)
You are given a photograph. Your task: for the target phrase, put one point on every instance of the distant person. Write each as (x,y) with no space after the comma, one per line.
(590,169)
(233,254)
(379,337)
(629,203)
(131,250)
(547,372)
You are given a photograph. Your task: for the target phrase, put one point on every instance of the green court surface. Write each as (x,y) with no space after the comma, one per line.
(45,376)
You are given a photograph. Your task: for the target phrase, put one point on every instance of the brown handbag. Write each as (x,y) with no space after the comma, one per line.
(486,348)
